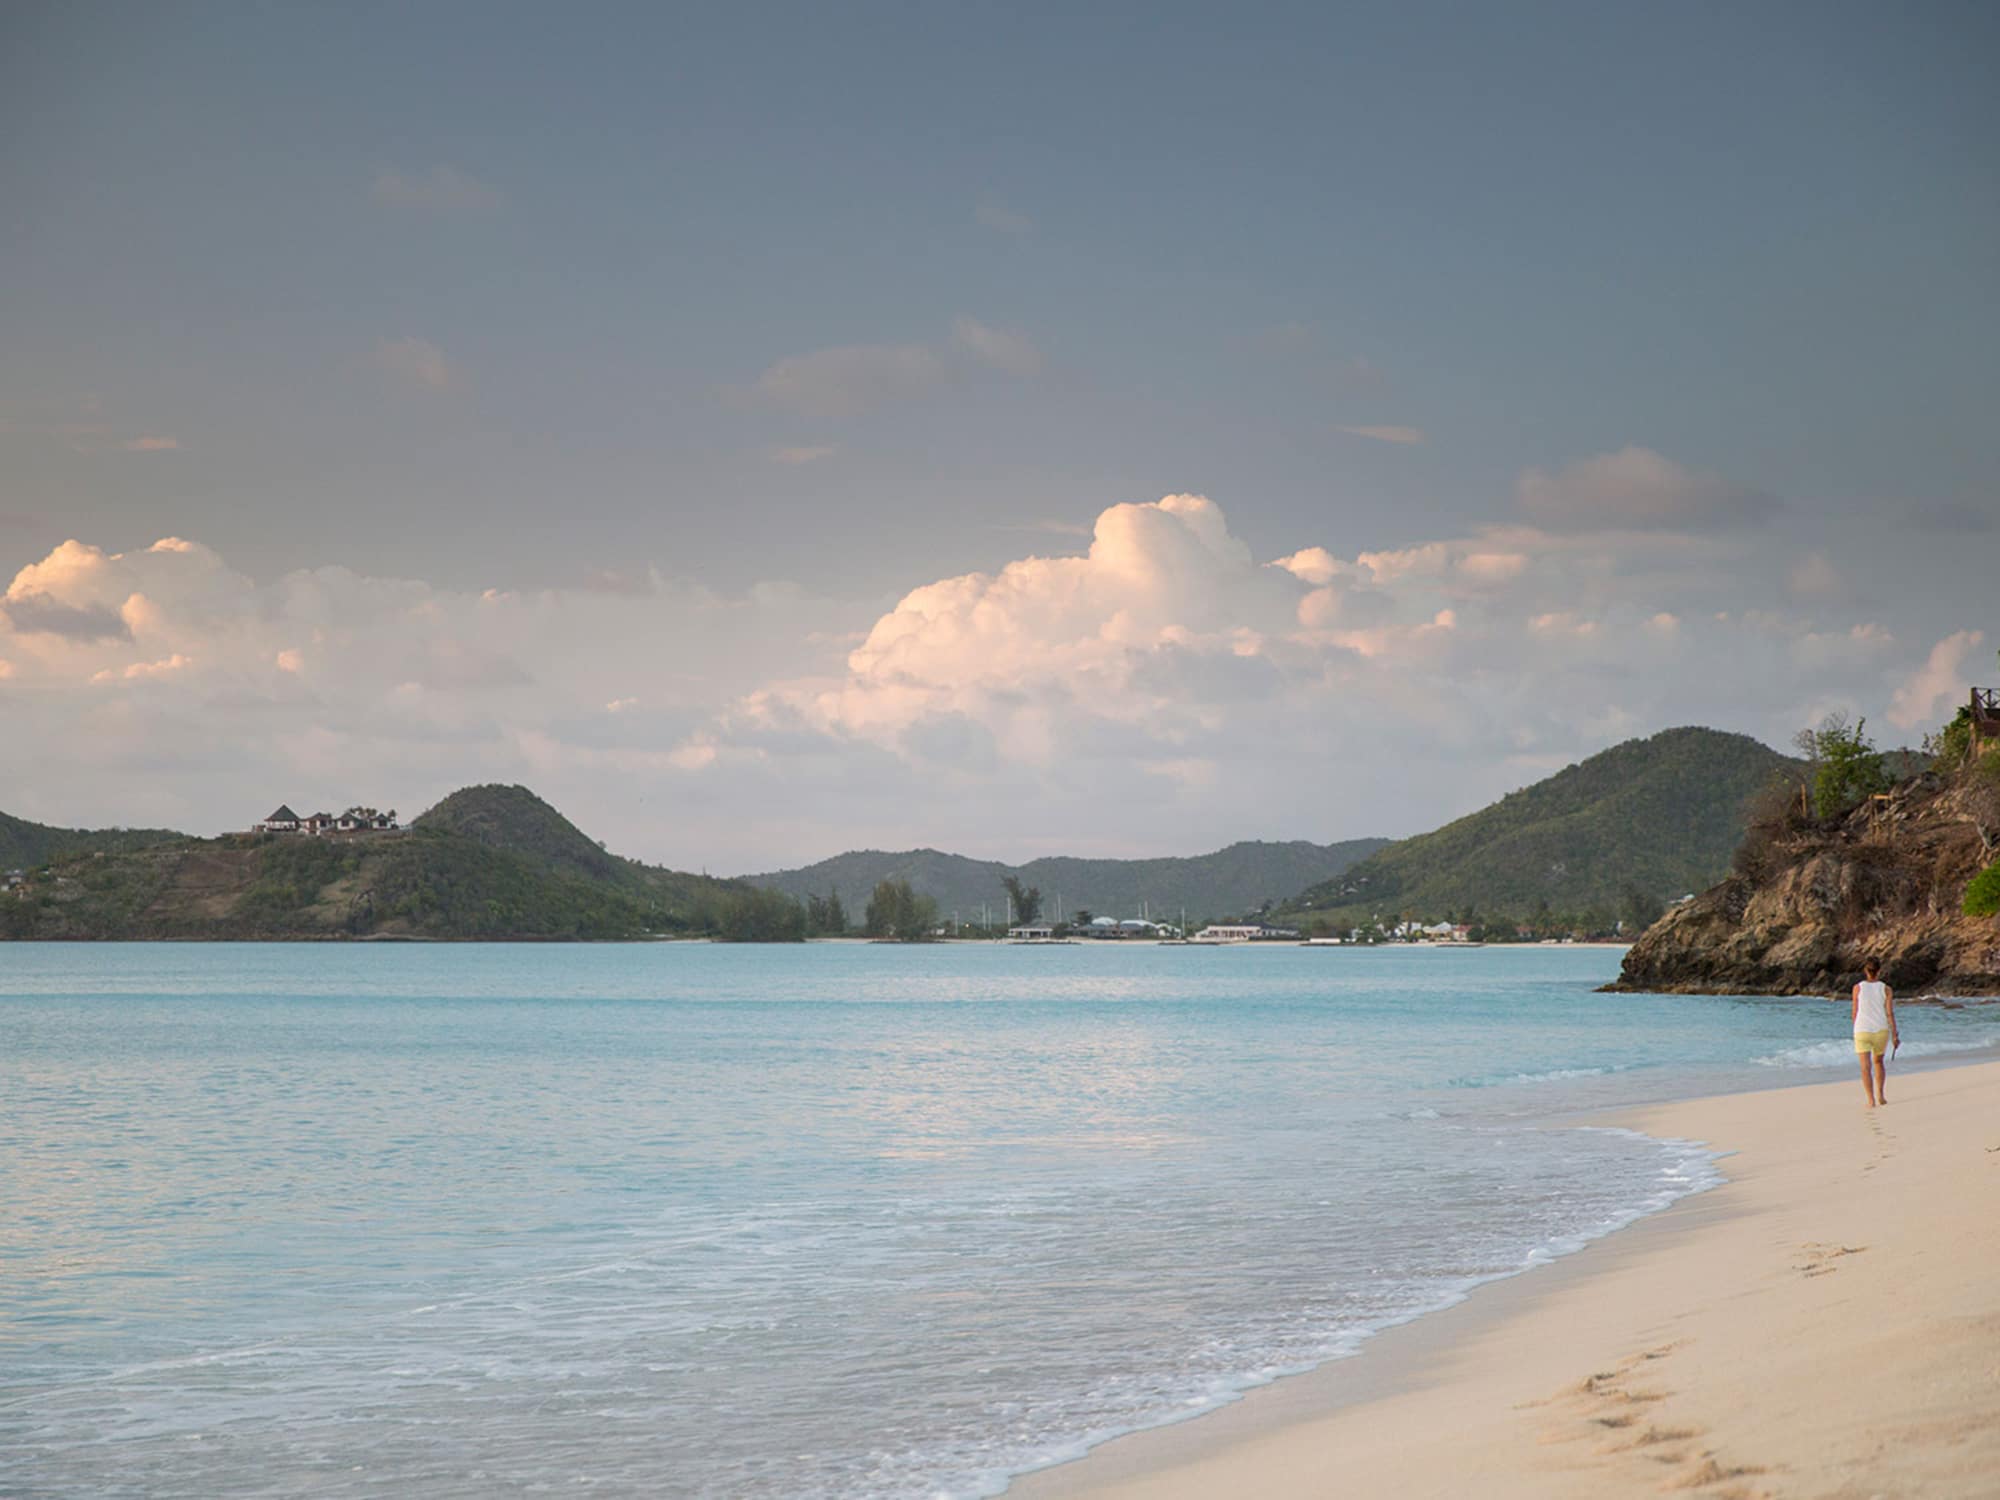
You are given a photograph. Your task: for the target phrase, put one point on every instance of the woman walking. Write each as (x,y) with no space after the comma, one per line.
(1874,1011)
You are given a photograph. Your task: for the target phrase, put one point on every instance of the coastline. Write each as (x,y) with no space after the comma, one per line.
(1823,1323)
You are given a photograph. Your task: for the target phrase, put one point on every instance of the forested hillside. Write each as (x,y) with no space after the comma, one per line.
(24,844)
(1635,826)
(491,862)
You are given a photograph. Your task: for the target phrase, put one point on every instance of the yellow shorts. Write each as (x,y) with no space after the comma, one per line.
(1876,1042)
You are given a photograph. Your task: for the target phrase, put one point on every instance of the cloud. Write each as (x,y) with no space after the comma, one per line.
(994,214)
(326,684)
(1815,577)
(64,595)
(1165,616)
(1636,489)
(416,362)
(1404,436)
(1926,695)
(38,614)
(139,670)
(150,444)
(440,189)
(1001,348)
(796,457)
(1160,687)
(850,380)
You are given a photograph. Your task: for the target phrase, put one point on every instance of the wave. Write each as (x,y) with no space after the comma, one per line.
(1840,1054)
(1551,1075)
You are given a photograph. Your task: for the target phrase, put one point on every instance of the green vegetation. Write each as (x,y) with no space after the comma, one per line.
(755,916)
(897,911)
(1243,877)
(826,916)
(1982,892)
(1842,764)
(487,862)
(1617,835)
(1951,746)
(516,820)
(24,845)
(1026,900)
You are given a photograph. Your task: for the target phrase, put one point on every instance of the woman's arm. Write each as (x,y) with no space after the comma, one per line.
(1889,996)
(1853,1004)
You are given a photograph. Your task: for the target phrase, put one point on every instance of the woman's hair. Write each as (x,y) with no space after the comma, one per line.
(1872,967)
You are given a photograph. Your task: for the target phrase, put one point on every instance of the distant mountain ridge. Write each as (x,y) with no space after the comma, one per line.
(1227,882)
(1658,817)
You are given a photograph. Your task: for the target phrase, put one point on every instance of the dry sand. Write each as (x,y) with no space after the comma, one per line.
(1827,1324)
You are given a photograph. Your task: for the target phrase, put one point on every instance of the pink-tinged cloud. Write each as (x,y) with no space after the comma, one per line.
(139,670)
(1636,489)
(1927,695)
(150,444)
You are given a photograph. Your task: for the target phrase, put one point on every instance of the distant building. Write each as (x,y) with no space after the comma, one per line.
(354,820)
(1242,932)
(1031,934)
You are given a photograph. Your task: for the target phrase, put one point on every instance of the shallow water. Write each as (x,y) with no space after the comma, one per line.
(834,1220)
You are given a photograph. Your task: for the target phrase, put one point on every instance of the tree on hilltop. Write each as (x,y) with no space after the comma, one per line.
(1843,764)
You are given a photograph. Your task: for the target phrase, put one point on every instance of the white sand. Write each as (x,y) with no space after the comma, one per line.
(1827,1324)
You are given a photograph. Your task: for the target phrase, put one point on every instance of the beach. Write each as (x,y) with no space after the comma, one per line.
(1825,1324)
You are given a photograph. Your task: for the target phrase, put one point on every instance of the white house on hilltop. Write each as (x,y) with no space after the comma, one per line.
(354,820)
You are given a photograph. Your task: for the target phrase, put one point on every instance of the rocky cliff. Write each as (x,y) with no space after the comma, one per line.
(1809,900)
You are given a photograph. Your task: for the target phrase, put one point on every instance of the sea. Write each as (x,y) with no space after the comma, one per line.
(843,1219)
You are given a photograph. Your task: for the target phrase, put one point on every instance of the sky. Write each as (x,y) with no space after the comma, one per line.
(768,430)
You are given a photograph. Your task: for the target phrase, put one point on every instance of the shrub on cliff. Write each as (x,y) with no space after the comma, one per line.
(1844,764)
(1982,892)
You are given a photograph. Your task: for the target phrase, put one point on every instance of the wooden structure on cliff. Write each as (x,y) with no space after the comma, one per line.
(1985,714)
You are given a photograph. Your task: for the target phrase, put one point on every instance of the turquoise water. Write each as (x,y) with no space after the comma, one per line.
(836,1220)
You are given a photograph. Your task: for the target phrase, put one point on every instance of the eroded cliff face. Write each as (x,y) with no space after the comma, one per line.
(1809,905)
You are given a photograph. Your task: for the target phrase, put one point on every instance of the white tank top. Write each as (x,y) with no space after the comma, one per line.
(1872,1011)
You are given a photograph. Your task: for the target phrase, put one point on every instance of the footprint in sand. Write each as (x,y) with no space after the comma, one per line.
(1819,1258)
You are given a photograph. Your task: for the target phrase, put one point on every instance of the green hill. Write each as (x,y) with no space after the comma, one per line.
(1241,878)
(514,819)
(24,845)
(488,862)
(1652,818)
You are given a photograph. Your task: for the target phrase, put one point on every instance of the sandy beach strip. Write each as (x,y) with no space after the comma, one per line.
(1827,1324)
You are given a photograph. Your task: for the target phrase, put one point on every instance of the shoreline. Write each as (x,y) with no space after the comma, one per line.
(1712,1347)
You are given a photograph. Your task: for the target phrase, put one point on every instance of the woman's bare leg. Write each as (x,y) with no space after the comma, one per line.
(1882,1077)
(1868,1077)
